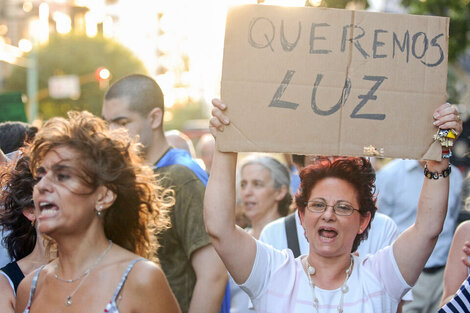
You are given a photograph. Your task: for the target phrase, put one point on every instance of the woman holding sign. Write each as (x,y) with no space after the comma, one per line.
(336,202)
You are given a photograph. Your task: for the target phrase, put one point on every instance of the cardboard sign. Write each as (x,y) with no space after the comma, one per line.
(333,82)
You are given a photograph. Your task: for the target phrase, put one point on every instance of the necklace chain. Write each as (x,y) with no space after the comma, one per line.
(83,276)
(344,288)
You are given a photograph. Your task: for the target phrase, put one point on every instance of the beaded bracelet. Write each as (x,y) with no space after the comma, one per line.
(436,175)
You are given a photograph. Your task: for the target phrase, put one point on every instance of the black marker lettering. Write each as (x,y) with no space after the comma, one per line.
(357,44)
(287,46)
(441,56)
(312,39)
(369,96)
(378,43)
(337,106)
(269,40)
(425,44)
(276,102)
(406,45)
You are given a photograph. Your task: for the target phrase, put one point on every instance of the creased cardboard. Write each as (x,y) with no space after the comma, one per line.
(333,82)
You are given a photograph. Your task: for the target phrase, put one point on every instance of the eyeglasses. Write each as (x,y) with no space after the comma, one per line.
(340,207)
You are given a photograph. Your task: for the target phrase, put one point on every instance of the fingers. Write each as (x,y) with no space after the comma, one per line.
(218,104)
(466,248)
(219,120)
(466,262)
(447,116)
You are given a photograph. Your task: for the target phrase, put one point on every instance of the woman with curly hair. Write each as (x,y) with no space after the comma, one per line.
(336,202)
(23,243)
(102,207)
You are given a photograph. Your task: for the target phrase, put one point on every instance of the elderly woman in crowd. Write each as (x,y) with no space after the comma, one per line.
(102,207)
(336,204)
(265,196)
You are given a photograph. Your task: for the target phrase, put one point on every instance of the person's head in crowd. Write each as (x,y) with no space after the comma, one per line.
(264,190)
(26,246)
(356,173)
(136,103)
(96,173)
(205,150)
(14,135)
(17,218)
(180,140)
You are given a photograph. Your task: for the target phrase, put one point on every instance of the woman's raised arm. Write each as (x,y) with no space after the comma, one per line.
(236,248)
(414,246)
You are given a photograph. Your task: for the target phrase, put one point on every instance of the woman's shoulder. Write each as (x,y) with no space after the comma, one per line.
(7,295)
(24,288)
(463,229)
(139,270)
(147,272)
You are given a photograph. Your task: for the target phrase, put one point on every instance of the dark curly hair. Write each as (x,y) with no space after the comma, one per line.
(17,184)
(14,135)
(356,171)
(109,158)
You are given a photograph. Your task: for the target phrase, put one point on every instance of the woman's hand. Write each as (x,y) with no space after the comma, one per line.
(447,116)
(219,120)
(466,250)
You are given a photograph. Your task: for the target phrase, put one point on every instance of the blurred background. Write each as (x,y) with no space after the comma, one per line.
(59,55)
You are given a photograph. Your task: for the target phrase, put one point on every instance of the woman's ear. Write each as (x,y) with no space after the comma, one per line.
(281,193)
(28,212)
(106,197)
(365,220)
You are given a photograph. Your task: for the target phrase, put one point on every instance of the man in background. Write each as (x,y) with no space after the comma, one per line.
(195,272)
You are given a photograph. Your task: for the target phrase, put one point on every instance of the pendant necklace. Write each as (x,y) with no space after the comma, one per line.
(83,276)
(344,287)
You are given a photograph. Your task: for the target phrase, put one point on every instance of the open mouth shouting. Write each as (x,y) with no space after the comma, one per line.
(47,209)
(327,234)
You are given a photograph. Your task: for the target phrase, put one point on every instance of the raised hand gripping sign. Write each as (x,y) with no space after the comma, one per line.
(333,82)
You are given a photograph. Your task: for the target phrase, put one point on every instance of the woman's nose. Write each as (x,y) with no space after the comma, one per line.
(329,213)
(44,184)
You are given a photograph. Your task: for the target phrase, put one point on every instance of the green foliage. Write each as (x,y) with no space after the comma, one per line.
(459,13)
(341,4)
(183,113)
(81,56)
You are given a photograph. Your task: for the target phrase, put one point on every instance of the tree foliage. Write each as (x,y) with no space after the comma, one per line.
(459,13)
(341,4)
(81,56)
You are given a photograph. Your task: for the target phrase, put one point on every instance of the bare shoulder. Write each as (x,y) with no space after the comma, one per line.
(148,290)
(4,284)
(22,294)
(463,229)
(7,295)
(146,273)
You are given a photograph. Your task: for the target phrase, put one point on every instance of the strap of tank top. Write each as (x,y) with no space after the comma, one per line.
(33,286)
(124,277)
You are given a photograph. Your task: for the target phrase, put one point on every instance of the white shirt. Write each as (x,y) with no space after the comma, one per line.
(278,283)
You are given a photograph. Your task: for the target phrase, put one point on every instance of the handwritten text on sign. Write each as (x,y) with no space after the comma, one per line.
(296,58)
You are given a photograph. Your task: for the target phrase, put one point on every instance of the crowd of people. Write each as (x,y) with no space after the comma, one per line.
(115,214)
